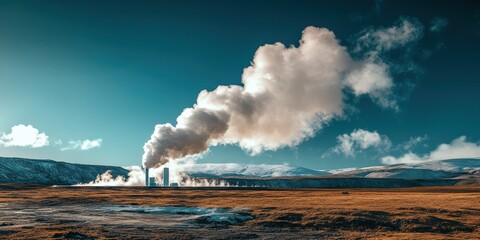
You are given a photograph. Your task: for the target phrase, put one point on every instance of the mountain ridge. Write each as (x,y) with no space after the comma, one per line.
(51,172)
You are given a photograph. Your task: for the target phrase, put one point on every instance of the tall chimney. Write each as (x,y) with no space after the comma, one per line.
(146,177)
(166,180)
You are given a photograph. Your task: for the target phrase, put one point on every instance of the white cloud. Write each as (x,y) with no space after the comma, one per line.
(407,158)
(458,148)
(373,76)
(376,41)
(360,139)
(83,145)
(24,136)
(412,142)
(438,24)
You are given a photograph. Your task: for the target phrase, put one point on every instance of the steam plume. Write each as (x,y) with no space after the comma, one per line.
(288,93)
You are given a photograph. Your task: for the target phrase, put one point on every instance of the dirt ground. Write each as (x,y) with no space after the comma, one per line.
(39,212)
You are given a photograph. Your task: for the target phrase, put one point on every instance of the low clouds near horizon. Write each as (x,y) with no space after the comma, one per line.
(458,148)
(83,145)
(359,140)
(28,136)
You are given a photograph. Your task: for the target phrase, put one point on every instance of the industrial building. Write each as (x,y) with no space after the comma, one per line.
(150,181)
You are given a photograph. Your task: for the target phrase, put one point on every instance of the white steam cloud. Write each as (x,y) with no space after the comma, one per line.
(458,148)
(178,174)
(288,94)
(136,177)
(24,136)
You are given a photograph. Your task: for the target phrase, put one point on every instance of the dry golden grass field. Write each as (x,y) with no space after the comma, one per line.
(34,212)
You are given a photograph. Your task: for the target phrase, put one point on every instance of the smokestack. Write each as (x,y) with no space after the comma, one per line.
(146,177)
(166,180)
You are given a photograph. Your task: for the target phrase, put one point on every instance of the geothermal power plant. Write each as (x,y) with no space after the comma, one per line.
(150,181)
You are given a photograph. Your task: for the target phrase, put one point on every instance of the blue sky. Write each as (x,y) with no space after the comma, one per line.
(93,70)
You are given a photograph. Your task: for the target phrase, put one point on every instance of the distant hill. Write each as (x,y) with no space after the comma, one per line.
(427,173)
(336,182)
(49,172)
(440,169)
(219,170)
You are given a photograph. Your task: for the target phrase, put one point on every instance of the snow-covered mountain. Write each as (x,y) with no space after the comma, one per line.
(443,169)
(438,173)
(439,169)
(215,170)
(427,173)
(49,172)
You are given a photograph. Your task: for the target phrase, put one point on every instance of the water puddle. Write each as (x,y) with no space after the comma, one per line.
(199,214)
(128,215)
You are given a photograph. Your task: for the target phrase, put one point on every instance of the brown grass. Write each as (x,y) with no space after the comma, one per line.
(413,213)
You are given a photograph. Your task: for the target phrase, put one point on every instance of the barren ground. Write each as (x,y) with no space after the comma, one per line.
(36,212)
